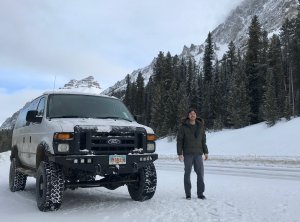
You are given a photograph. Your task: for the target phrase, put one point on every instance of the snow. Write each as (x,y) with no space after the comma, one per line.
(222,49)
(253,174)
(255,140)
(102,125)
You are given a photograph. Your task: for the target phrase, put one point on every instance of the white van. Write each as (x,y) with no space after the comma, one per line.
(66,139)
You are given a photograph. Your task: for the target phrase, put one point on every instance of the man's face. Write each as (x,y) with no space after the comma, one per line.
(192,116)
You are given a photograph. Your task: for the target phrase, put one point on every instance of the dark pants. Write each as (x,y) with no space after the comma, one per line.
(197,161)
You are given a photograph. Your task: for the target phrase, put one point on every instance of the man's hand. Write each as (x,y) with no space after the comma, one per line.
(205,156)
(180,157)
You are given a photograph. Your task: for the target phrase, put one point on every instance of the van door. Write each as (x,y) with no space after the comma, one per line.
(26,133)
(19,133)
(36,134)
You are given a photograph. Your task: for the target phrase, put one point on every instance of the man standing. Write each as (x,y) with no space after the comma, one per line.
(191,147)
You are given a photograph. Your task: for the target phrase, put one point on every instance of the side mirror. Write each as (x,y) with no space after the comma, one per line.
(31,117)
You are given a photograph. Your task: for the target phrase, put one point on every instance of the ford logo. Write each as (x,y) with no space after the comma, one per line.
(113,141)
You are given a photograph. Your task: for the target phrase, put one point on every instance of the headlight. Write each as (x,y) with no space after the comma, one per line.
(150,147)
(63,147)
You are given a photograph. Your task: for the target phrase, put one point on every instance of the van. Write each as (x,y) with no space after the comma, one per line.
(68,140)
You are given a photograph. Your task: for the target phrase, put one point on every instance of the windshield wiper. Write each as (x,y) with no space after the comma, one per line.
(68,117)
(113,117)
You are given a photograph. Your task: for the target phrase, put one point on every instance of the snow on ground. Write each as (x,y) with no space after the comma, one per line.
(281,140)
(235,190)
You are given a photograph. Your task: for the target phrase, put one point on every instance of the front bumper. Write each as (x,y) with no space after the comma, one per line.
(99,164)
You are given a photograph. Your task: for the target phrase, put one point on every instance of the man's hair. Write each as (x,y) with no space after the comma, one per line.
(191,109)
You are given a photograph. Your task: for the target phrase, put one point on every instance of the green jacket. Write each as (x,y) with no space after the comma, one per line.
(191,141)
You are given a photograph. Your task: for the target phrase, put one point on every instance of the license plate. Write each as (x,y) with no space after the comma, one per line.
(117,159)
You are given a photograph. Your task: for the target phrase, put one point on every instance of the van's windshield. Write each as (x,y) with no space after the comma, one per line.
(86,106)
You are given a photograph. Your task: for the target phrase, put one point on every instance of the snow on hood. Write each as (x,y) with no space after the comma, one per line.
(102,125)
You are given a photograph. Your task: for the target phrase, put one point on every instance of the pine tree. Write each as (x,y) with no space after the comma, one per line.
(140,96)
(157,116)
(183,105)
(286,40)
(296,61)
(208,85)
(191,83)
(270,107)
(217,99)
(275,64)
(237,98)
(199,92)
(170,111)
(252,69)
(208,59)
(228,82)
(127,98)
(158,69)
(263,67)
(149,91)
(133,97)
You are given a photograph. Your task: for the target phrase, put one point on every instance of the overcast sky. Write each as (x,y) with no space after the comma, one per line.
(106,39)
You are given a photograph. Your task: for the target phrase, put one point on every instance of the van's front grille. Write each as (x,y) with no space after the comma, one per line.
(120,140)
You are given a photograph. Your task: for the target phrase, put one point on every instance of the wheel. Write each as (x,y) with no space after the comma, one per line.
(17,180)
(49,186)
(145,187)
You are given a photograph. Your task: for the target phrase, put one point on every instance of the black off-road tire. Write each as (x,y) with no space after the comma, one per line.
(49,186)
(145,187)
(17,180)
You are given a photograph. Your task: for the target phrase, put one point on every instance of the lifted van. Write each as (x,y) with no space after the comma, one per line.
(70,140)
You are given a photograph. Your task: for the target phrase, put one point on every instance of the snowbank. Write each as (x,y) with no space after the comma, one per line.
(256,140)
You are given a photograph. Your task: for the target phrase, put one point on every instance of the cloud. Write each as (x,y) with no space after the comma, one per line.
(101,37)
(107,39)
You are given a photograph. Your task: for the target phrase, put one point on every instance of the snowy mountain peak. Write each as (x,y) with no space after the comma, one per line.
(88,84)
(271,15)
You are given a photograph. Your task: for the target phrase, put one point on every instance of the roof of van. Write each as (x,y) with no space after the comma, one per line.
(75,93)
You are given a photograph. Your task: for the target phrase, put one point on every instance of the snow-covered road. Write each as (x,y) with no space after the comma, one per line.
(252,193)
(268,172)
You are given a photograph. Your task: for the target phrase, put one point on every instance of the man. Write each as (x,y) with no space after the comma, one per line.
(191,147)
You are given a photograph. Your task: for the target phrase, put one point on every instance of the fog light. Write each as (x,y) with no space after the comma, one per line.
(150,147)
(75,160)
(81,160)
(63,147)
(89,160)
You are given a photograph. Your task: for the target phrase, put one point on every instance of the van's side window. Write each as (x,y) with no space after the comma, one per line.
(41,107)
(21,121)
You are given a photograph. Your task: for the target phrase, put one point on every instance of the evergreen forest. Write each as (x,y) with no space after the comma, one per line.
(260,82)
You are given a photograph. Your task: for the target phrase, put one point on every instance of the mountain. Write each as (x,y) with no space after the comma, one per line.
(271,14)
(10,122)
(86,85)
(121,85)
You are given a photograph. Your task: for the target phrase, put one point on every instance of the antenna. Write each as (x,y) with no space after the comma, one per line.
(54,83)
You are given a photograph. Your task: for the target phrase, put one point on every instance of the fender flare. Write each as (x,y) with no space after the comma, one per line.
(42,153)
(14,152)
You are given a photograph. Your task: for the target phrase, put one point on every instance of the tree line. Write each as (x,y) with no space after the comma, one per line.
(260,84)
(5,140)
